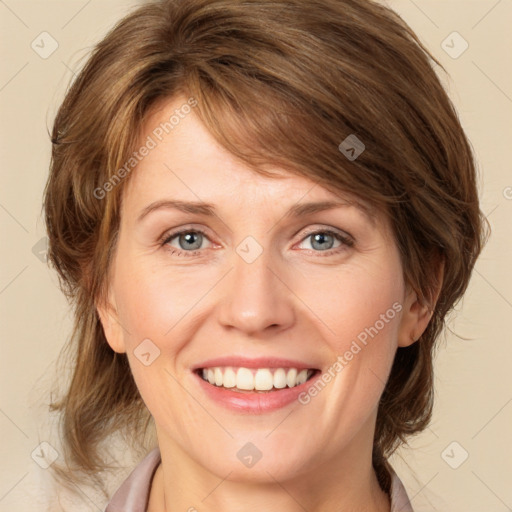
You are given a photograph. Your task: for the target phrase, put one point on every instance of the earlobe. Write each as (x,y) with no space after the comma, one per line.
(415,319)
(417,314)
(108,315)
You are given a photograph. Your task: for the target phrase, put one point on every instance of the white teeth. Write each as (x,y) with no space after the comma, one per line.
(218,377)
(291,377)
(244,379)
(279,378)
(261,379)
(229,380)
(302,377)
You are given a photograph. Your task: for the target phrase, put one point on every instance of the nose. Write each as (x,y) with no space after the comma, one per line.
(256,297)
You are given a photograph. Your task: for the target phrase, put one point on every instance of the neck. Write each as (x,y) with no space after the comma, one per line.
(286,497)
(344,483)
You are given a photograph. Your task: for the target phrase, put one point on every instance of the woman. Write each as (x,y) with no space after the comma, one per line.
(263,212)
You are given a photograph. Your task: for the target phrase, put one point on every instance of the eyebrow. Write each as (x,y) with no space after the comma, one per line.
(297,210)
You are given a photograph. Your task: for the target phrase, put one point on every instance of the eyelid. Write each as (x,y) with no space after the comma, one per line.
(329,229)
(168,235)
(344,237)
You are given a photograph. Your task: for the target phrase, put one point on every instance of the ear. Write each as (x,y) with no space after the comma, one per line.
(107,311)
(416,314)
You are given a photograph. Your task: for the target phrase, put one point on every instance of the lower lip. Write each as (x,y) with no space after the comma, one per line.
(255,403)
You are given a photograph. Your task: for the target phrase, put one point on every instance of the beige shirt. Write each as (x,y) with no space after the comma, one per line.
(133,495)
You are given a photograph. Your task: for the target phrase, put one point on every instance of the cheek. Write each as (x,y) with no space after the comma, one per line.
(156,310)
(357,303)
(152,304)
(150,311)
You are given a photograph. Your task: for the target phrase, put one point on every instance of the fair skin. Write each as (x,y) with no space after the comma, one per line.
(293,301)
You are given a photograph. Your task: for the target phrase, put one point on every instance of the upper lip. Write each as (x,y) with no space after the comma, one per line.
(258,362)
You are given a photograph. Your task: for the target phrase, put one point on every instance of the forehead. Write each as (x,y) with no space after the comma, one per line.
(189,165)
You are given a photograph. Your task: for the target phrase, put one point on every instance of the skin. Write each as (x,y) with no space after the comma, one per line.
(293,301)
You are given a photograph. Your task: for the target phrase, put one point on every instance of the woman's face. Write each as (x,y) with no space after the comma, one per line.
(259,284)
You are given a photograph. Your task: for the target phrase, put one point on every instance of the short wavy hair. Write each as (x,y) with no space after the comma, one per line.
(279,82)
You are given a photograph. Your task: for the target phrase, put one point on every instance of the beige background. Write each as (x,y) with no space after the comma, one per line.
(473,384)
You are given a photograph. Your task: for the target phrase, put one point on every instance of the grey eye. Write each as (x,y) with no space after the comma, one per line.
(322,241)
(191,240)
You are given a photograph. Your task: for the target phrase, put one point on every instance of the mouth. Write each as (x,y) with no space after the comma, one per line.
(256,380)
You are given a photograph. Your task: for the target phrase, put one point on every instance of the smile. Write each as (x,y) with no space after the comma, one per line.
(255,379)
(255,385)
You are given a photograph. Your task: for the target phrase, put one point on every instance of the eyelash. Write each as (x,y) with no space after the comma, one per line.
(345,240)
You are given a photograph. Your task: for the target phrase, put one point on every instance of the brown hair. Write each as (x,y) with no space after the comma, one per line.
(279,82)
